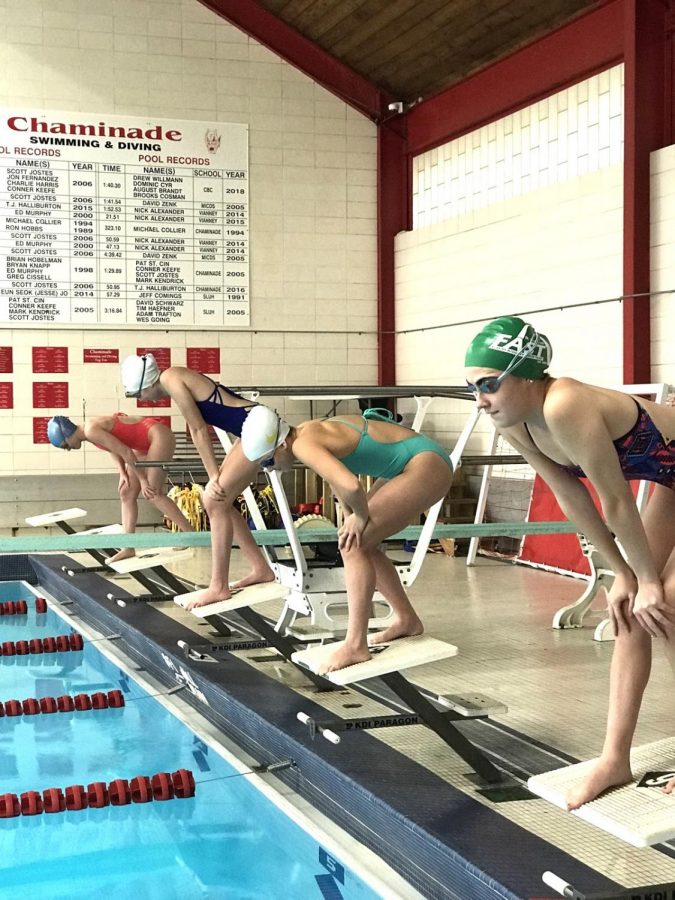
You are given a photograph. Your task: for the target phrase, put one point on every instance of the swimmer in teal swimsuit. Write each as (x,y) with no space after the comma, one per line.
(202,402)
(568,430)
(413,472)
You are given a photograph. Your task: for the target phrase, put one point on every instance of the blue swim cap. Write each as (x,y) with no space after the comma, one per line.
(59,428)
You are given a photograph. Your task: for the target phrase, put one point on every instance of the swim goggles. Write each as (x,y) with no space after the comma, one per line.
(137,393)
(64,444)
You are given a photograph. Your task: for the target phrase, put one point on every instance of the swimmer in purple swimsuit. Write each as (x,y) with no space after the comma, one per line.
(202,402)
(567,430)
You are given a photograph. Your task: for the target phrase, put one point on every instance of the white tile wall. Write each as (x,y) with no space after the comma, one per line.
(313,192)
(662,235)
(572,133)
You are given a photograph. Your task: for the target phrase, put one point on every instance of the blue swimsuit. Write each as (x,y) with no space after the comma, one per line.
(216,412)
(643,453)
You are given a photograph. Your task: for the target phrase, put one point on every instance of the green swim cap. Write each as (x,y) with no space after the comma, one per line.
(509,344)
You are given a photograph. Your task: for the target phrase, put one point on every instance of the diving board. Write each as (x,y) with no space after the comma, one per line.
(404,653)
(248,596)
(150,558)
(59,515)
(640,816)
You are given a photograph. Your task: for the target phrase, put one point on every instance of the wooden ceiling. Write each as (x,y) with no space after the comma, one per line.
(416,48)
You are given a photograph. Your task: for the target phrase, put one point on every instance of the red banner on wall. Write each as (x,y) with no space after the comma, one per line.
(50,359)
(100,355)
(6,395)
(161,354)
(6,360)
(40,430)
(50,394)
(204,359)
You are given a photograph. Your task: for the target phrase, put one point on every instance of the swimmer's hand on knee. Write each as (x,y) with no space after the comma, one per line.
(652,610)
(214,491)
(351,532)
(620,600)
(147,490)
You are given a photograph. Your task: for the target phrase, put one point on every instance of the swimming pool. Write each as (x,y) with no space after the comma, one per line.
(229,840)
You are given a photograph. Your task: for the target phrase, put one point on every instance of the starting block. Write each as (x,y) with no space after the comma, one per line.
(148,559)
(241,603)
(249,596)
(640,815)
(60,515)
(104,529)
(403,653)
(387,662)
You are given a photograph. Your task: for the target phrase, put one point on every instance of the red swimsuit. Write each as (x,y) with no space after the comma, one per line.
(135,435)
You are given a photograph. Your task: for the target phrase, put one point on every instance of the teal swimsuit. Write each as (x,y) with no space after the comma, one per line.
(371,457)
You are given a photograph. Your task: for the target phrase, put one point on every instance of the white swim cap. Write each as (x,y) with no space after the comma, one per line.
(262,432)
(138,373)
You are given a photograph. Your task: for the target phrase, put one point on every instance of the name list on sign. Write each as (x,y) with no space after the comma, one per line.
(122,221)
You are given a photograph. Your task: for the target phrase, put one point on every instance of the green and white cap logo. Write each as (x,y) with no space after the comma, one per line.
(509,344)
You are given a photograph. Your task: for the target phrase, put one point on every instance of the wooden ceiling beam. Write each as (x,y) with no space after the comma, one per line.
(591,42)
(332,74)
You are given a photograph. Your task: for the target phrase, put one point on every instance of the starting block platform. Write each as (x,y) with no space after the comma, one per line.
(249,596)
(104,529)
(148,559)
(403,653)
(59,515)
(639,815)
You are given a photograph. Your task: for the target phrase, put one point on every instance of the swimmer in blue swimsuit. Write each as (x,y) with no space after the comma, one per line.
(202,402)
(568,430)
(413,472)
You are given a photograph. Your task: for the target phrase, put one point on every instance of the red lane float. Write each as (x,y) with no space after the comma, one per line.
(183,783)
(53,800)
(62,643)
(76,797)
(120,792)
(9,806)
(40,605)
(162,788)
(48,705)
(64,703)
(13,608)
(141,789)
(31,803)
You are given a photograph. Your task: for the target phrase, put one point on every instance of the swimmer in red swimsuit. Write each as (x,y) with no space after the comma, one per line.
(127,439)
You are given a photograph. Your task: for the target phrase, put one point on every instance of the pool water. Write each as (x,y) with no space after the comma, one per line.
(228,841)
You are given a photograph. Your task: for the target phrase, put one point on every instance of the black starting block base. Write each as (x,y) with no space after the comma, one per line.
(203,651)
(81,570)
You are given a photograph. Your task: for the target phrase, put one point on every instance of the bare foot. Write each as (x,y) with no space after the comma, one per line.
(604,775)
(253,578)
(127,553)
(345,656)
(670,787)
(209,596)
(399,628)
